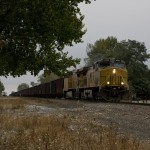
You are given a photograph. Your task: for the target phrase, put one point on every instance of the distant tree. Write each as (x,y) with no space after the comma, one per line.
(12,92)
(134,54)
(22,86)
(32,84)
(43,78)
(34,33)
(2,88)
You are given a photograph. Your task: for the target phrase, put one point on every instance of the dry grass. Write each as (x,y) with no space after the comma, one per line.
(57,132)
(10,105)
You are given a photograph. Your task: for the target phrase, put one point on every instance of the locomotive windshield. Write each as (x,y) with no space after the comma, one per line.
(119,64)
(107,62)
(102,63)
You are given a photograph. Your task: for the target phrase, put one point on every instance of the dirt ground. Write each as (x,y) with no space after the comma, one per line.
(133,120)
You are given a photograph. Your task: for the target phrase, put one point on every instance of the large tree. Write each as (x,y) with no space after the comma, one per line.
(2,88)
(22,86)
(134,54)
(33,34)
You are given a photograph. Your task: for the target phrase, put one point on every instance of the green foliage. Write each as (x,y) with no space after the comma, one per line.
(102,48)
(22,86)
(43,78)
(34,33)
(134,54)
(2,88)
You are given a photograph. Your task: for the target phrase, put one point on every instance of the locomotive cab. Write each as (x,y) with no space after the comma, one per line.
(113,79)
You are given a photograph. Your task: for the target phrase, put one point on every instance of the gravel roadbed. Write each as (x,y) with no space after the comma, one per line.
(133,120)
(129,119)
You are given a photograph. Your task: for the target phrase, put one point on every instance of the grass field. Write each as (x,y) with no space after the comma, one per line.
(24,130)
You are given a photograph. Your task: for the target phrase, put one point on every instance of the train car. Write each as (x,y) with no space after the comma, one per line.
(41,90)
(47,90)
(44,90)
(56,88)
(24,93)
(31,92)
(106,80)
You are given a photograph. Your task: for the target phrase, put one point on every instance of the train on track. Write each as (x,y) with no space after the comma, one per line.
(105,80)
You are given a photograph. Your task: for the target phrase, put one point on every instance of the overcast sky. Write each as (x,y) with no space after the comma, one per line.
(123,19)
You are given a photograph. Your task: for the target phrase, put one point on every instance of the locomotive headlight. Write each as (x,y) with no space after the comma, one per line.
(114,71)
(122,83)
(108,82)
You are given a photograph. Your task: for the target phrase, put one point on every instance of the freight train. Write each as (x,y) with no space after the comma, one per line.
(106,80)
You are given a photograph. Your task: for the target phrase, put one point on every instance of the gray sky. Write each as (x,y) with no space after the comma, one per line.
(123,19)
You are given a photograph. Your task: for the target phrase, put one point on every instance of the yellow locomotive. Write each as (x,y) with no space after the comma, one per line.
(106,80)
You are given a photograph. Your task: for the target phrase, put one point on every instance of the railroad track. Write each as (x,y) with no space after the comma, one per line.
(136,103)
(142,102)
(130,103)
